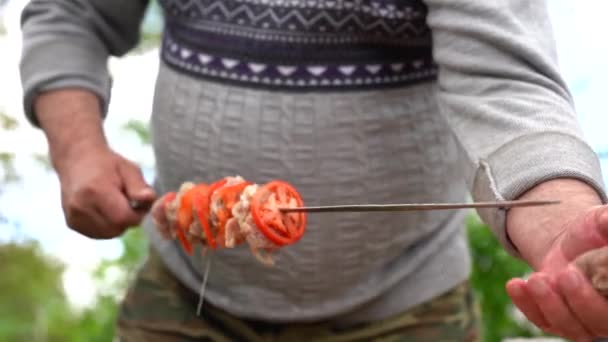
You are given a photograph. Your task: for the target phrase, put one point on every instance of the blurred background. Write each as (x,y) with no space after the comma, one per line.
(56,285)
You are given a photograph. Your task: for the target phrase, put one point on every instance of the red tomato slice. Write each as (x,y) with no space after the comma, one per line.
(280,228)
(232,194)
(185,209)
(202,204)
(229,195)
(168,198)
(184,241)
(185,215)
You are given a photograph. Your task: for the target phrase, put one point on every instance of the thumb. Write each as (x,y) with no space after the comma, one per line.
(134,183)
(587,232)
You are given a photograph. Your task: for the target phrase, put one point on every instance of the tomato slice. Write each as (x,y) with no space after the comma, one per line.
(168,198)
(229,195)
(280,228)
(184,241)
(185,209)
(202,204)
(185,215)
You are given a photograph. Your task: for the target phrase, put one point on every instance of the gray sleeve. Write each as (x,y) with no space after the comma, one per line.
(67,43)
(501,91)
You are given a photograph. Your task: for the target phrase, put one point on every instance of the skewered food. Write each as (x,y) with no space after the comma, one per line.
(231,212)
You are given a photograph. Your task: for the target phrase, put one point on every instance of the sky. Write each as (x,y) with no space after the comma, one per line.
(33,205)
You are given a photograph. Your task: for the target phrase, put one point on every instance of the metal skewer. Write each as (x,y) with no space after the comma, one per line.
(417,207)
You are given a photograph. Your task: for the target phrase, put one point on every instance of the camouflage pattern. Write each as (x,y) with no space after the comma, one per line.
(158,308)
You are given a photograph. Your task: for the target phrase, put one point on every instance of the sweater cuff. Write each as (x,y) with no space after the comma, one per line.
(71,65)
(526,162)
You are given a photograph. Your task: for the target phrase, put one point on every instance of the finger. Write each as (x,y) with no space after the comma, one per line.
(88,221)
(589,232)
(115,208)
(526,304)
(586,303)
(554,309)
(134,183)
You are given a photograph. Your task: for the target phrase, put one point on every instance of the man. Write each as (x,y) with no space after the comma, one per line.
(351,101)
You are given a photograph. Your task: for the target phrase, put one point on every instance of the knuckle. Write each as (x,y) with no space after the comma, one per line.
(122,219)
(109,233)
(87,191)
(74,211)
(130,165)
(71,221)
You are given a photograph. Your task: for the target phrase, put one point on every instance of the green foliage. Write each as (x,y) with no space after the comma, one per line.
(492,268)
(43,160)
(31,293)
(147,41)
(140,129)
(151,28)
(7,159)
(8,168)
(8,122)
(34,307)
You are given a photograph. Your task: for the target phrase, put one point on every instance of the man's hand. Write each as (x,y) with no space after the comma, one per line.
(97,184)
(96,189)
(558,298)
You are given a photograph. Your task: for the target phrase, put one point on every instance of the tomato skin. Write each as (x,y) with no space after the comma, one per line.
(185,215)
(277,227)
(202,207)
(184,241)
(229,195)
(200,201)
(168,198)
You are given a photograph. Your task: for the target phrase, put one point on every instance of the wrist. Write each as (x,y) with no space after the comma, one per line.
(533,230)
(72,123)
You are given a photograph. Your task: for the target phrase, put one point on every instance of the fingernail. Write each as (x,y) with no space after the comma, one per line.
(571,281)
(538,287)
(146,192)
(516,290)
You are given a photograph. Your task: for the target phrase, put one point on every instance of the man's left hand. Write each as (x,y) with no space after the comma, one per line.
(557,297)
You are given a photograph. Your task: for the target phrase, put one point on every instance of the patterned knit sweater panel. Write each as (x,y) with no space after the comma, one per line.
(300,44)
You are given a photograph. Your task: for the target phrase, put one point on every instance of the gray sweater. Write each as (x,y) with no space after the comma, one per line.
(497,120)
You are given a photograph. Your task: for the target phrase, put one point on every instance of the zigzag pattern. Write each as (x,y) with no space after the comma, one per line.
(295,75)
(397,9)
(292,19)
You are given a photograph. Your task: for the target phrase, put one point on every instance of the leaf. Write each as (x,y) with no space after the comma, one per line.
(140,129)
(8,122)
(7,163)
(43,160)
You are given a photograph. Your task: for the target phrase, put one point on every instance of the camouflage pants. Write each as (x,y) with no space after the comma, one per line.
(158,308)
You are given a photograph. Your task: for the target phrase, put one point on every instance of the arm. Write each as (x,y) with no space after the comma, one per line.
(66,93)
(67,44)
(511,113)
(501,92)
(535,230)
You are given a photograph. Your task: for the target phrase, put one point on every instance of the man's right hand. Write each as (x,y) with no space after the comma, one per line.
(96,189)
(97,184)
